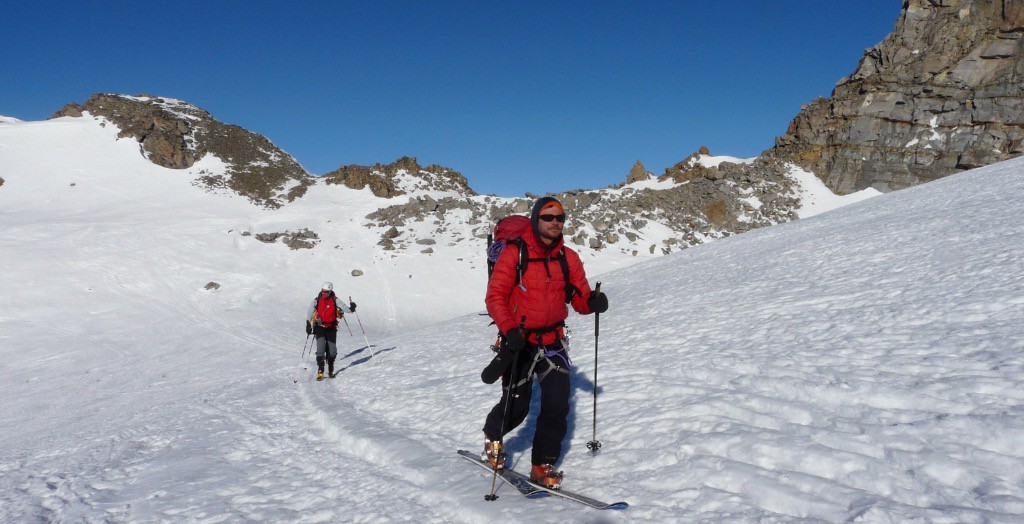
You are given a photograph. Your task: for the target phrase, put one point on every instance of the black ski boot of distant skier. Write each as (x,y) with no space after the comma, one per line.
(530,490)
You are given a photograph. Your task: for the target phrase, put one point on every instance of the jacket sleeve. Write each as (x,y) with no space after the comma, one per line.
(311,311)
(578,278)
(339,308)
(499,290)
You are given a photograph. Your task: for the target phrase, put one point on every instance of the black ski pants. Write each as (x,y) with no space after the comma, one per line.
(552,422)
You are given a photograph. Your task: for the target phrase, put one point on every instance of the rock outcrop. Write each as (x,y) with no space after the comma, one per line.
(175,134)
(302,239)
(400,177)
(943,93)
(638,173)
(694,202)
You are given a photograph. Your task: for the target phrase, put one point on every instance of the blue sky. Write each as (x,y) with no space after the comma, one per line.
(517,96)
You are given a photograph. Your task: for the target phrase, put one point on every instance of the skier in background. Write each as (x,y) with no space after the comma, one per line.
(322,321)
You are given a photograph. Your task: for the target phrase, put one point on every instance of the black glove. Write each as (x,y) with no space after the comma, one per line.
(309,328)
(352,307)
(598,302)
(515,340)
(496,368)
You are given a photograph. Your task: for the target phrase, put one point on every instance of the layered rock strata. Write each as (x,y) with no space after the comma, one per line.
(943,93)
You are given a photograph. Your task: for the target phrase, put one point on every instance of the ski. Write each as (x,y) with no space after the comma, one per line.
(515,480)
(530,490)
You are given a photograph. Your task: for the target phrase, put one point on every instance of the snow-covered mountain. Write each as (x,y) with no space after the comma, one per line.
(859,365)
(394,237)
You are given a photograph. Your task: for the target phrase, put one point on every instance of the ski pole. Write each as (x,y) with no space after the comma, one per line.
(595,445)
(303,357)
(347,327)
(504,418)
(361,329)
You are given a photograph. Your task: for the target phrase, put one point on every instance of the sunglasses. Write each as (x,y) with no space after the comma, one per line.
(552,218)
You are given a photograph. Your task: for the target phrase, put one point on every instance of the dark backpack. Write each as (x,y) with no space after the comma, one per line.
(511,230)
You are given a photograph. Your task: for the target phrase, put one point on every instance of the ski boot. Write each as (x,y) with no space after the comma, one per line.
(319,375)
(546,476)
(494,453)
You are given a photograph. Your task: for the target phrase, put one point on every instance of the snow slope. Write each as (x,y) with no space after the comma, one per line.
(864,364)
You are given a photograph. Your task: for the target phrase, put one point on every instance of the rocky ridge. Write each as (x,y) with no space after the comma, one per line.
(941,94)
(400,177)
(696,202)
(693,200)
(175,134)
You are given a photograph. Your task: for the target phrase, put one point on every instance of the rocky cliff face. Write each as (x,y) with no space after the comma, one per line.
(943,93)
(175,134)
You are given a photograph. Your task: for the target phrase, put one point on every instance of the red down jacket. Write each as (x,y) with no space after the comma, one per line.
(543,301)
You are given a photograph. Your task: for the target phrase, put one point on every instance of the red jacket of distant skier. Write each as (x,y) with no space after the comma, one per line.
(541,297)
(327,311)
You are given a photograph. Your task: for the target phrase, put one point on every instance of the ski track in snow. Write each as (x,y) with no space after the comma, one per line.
(289,443)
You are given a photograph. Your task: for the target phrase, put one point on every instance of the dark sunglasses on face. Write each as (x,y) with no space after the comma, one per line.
(552,218)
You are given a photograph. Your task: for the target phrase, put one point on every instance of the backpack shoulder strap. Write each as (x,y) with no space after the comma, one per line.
(524,259)
(570,290)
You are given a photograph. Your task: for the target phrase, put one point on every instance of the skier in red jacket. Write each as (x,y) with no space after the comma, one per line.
(529,305)
(322,321)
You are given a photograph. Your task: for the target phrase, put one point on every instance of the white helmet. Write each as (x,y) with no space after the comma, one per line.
(328,286)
